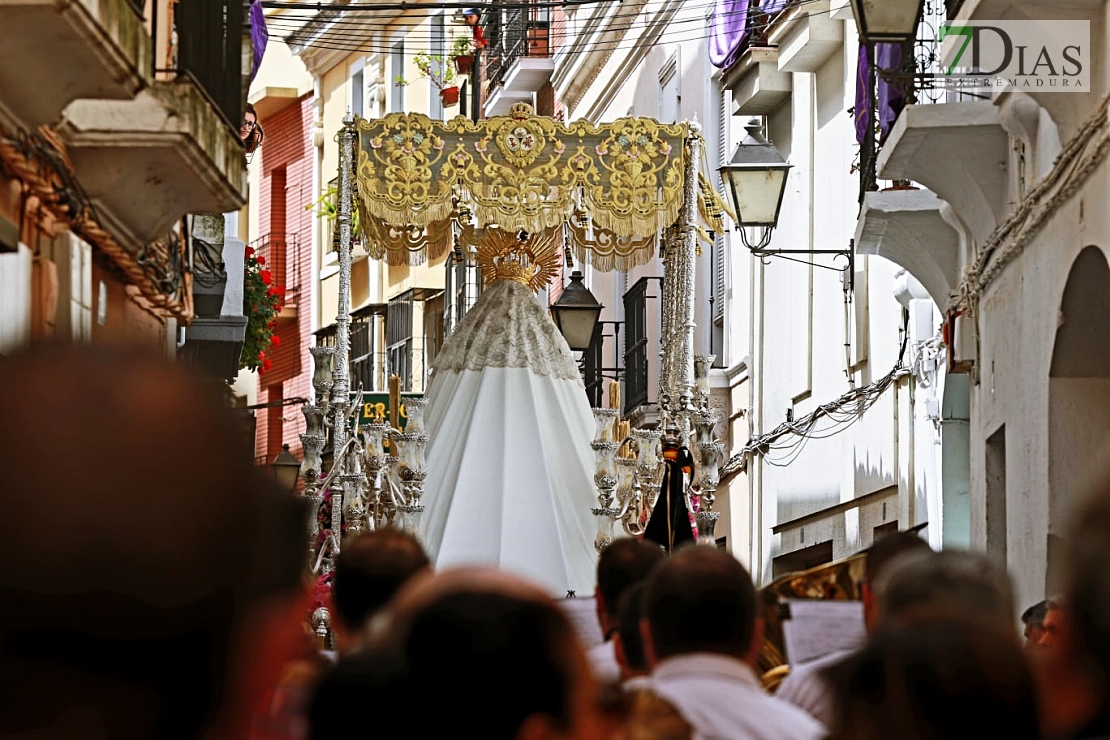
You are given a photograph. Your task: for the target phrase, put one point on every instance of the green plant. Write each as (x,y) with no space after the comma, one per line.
(435,68)
(262,302)
(327,208)
(463,46)
(399,81)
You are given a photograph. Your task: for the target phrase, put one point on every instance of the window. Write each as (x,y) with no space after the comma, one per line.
(80,289)
(433,328)
(398,337)
(397,76)
(362,354)
(668,91)
(636,346)
(439,49)
(357,92)
(329,208)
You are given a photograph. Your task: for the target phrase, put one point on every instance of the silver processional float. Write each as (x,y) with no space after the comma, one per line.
(499,192)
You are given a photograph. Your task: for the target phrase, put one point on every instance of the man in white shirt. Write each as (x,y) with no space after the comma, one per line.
(623,563)
(702,636)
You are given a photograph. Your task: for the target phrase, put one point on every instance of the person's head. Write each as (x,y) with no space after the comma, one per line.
(1032,620)
(250,130)
(944,677)
(628,642)
(879,556)
(1074,650)
(701,600)
(1052,623)
(498,654)
(956,581)
(150,580)
(621,564)
(375,673)
(371,567)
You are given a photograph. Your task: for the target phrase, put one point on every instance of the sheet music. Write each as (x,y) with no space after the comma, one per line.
(583,616)
(817,628)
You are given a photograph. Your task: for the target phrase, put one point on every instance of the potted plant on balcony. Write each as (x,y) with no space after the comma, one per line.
(327,208)
(439,73)
(462,52)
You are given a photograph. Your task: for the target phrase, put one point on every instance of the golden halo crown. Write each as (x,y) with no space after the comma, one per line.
(529,259)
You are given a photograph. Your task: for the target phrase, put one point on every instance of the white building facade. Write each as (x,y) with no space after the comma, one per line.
(790,337)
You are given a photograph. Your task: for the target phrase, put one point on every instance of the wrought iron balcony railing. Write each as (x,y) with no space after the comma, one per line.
(283,256)
(206,40)
(515,33)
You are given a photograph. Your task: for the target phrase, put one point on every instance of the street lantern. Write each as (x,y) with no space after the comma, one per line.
(286,468)
(576,313)
(887,20)
(756,180)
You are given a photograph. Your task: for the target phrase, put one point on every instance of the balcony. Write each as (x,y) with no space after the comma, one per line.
(59,52)
(959,151)
(908,227)
(758,84)
(806,35)
(519,59)
(173,148)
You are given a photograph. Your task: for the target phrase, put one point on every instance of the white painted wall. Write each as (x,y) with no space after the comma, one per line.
(784,332)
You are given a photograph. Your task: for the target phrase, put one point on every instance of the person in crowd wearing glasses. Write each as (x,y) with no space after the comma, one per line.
(250,130)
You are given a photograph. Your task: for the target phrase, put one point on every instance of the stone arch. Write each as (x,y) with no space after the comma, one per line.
(1078,396)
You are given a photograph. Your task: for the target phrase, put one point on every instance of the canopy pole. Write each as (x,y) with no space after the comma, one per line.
(683,278)
(341,387)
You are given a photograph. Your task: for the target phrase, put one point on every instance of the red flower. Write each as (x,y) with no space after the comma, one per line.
(261,356)
(275,341)
(250,251)
(261,260)
(267,365)
(272,325)
(280,289)
(267,278)
(272,291)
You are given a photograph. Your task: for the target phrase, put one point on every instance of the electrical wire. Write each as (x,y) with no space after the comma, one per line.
(351,35)
(786,442)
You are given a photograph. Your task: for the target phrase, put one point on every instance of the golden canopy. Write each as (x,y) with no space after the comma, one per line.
(612,187)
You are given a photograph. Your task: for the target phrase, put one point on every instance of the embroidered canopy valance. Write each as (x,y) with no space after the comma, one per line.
(610,188)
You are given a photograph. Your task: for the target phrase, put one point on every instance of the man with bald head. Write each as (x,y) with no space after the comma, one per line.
(702,637)
(150,582)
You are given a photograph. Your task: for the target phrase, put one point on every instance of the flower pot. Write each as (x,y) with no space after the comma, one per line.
(449,96)
(464,63)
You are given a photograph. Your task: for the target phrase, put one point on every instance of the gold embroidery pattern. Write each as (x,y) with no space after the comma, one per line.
(518,172)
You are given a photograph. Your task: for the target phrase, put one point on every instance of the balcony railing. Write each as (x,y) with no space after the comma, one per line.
(515,33)
(206,43)
(369,363)
(283,256)
(898,75)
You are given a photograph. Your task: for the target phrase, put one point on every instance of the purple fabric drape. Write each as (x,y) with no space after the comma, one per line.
(863,97)
(730,28)
(727,31)
(259,35)
(890,95)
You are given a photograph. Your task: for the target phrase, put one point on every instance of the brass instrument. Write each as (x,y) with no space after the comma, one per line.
(838,581)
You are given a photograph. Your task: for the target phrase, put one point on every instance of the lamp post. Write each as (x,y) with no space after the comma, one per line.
(893,21)
(576,313)
(756,182)
(286,468)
